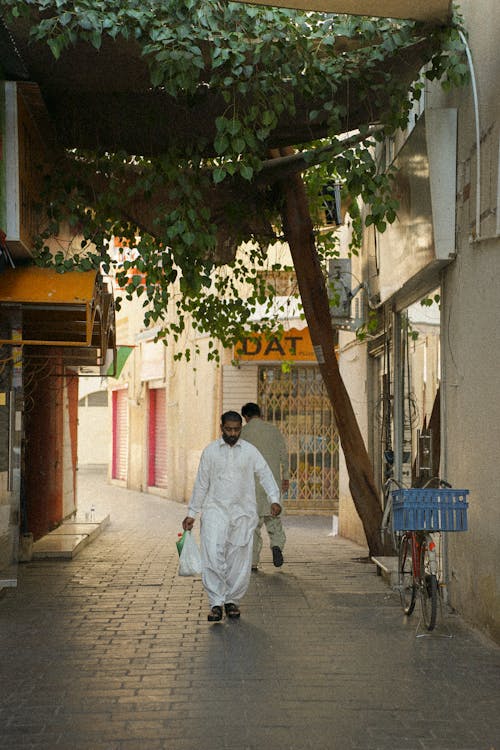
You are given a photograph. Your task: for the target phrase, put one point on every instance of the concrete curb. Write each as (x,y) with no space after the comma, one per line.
(68,540)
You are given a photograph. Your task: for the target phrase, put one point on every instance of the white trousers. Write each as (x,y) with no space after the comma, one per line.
(226,557)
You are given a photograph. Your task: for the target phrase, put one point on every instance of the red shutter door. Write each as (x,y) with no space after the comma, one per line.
(120,434)
(157,459)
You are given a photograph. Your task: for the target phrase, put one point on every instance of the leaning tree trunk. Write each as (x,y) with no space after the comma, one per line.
(299,234)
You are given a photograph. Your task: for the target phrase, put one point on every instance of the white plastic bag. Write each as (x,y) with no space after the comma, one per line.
(190,558)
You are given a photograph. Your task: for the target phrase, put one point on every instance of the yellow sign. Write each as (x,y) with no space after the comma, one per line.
(291,346)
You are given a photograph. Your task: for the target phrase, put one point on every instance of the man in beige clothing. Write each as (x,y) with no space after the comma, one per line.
(271,443)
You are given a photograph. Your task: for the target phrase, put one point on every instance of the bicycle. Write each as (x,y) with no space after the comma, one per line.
(415,515)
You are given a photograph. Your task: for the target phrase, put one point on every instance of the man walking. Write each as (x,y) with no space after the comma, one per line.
(271,443)
(224,494)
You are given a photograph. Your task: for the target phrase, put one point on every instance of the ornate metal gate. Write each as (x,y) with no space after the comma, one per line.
(297,403)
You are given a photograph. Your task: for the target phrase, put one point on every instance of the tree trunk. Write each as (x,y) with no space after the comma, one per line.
(299,234)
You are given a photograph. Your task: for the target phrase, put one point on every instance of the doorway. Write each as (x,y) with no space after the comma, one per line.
(297,403)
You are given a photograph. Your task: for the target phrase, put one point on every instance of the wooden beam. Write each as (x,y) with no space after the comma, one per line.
(431,11)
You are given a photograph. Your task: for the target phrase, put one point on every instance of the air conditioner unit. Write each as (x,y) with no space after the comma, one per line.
(347,306)
(332,203)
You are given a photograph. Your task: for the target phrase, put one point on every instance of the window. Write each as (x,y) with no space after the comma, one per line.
(284,282)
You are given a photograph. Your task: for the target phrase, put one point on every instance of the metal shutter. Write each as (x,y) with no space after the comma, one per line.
(157,444)
(120,434)
(239,385)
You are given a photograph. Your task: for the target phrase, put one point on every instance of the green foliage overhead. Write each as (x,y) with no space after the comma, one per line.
(267,64)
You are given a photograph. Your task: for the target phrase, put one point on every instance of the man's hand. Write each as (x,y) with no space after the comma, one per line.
(188,523)
(275,509)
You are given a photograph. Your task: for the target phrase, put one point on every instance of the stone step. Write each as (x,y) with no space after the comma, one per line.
(68,539)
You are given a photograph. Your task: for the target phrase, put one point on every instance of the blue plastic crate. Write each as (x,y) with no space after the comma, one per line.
(430,509)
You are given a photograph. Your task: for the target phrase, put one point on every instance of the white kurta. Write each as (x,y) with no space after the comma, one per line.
(224,493)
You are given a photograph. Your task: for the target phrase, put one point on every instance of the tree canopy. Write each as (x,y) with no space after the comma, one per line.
(226,84)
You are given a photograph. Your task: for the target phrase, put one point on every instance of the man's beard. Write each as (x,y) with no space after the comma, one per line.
(230,439)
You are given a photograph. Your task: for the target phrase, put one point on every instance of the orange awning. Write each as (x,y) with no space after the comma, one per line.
(40,307)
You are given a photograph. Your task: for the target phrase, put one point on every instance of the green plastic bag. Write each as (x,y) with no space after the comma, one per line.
(180,542)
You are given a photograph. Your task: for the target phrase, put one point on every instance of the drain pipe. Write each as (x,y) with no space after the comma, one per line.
(443,451)
(478,133)
(444,374)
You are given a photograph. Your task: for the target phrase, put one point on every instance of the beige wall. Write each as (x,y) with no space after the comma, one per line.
(193,416)
(471,339)
(193,404)
(472,418)
(94,426)
(94,435)
(353,371)
(69,499)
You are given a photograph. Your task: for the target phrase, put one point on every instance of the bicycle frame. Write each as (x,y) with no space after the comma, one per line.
(421,576)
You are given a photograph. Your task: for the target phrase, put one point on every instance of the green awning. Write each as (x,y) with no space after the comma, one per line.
(122,354)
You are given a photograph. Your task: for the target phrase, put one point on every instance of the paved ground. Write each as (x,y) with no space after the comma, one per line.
(112,651)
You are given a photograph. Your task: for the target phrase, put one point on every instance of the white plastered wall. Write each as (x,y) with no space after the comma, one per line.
(470,334)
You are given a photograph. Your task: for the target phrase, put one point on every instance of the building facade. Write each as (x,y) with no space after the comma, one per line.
(165,411)
(431,403)
(51,325)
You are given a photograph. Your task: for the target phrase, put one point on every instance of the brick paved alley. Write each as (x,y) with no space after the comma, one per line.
(112,650)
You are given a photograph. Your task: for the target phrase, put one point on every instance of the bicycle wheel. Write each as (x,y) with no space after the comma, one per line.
(406,582)
(428,588)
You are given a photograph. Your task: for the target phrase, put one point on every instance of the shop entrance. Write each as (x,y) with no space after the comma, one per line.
(405,441)
(297,403)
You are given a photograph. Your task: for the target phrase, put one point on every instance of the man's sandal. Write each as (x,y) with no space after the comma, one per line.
(277,557)
(215,614)
(231,610)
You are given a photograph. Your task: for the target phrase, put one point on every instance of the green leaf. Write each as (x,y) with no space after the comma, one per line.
(96,39)
(221,143)
(238,145)
(246,171)
(157,75)
(56,46)
(219,174)
(268,117)
(189,238)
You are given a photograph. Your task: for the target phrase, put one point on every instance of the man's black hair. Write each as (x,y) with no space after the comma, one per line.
(250,410)
(231,416)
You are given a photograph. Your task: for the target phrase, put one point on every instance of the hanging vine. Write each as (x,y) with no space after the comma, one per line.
(187,209)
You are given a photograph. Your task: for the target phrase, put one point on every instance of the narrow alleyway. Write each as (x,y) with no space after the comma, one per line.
(112,651)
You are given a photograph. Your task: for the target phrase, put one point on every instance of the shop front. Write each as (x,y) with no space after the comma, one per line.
(281,375)
(53,326)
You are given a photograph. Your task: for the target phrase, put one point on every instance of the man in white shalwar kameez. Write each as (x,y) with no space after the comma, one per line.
(224,494)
